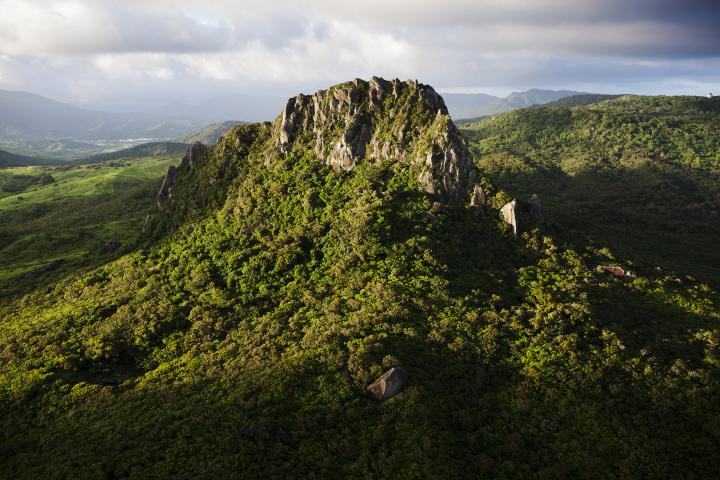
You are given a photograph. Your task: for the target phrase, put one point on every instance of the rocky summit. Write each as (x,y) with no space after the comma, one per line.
(377,121)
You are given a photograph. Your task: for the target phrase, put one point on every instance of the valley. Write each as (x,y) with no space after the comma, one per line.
(57,220)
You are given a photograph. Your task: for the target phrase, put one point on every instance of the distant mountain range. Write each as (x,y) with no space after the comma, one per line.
(28,117)
(474,105)
(36,126)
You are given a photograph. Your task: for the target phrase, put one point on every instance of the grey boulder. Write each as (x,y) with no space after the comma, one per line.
(388,384)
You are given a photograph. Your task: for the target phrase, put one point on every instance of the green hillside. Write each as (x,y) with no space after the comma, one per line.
(54,220)
(209,134)
(289,267)
(150,149)
(638,174)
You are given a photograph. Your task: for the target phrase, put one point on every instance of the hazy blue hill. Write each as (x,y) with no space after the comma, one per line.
(473,106)
(467,105)
(26,117)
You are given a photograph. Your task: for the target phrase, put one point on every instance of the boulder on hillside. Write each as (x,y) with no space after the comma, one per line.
(616,271)
(388,384)
(477,198)
(521,215)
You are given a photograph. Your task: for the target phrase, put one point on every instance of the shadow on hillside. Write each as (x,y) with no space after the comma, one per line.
(459,416)
(667,218)
(474,252)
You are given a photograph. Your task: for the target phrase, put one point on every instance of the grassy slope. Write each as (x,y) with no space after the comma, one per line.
(209,134)
(71,218)
(276,303)
(638,174)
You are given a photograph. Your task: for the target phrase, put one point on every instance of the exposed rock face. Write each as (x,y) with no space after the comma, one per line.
(388,384)
(168,182)
(477,198)
(381,120)
(193,156)
(520,215)
(509,214)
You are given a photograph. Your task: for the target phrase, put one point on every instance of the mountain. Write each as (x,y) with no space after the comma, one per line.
(335,294)
(25,117)
(470,106)
(531,97)
(209,134)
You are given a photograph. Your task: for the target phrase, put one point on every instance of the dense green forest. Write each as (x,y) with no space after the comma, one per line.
(237,339)
(640,175)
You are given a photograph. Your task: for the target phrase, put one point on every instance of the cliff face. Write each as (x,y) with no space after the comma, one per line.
(406,123)
(377,121)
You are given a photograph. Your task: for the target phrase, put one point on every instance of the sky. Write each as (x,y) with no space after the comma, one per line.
(126,54)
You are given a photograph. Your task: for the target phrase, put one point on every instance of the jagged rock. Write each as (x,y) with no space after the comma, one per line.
(509,214)
(377,121)
(477,198)
(193,156)
(168,182)
(388,384)
(520,215)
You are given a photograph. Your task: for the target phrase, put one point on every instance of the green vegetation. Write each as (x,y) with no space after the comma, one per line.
(209,134)
(638,174)
(276,290)
(54,220)
(8,159)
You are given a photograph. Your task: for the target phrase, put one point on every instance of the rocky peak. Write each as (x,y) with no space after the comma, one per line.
(380,120)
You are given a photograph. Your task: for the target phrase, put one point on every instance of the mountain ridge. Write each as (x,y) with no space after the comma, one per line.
(27,116)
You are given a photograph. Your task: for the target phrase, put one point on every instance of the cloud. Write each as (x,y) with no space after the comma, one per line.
(74,27)
(144,48)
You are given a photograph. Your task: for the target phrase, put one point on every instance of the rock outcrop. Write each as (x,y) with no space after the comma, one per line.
(388,384)
(193,156)
(377,121)
(521,215)
(509,214)
(616,271)
(478,198)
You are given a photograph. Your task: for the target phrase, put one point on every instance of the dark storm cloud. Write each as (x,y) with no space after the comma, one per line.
(670,28)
